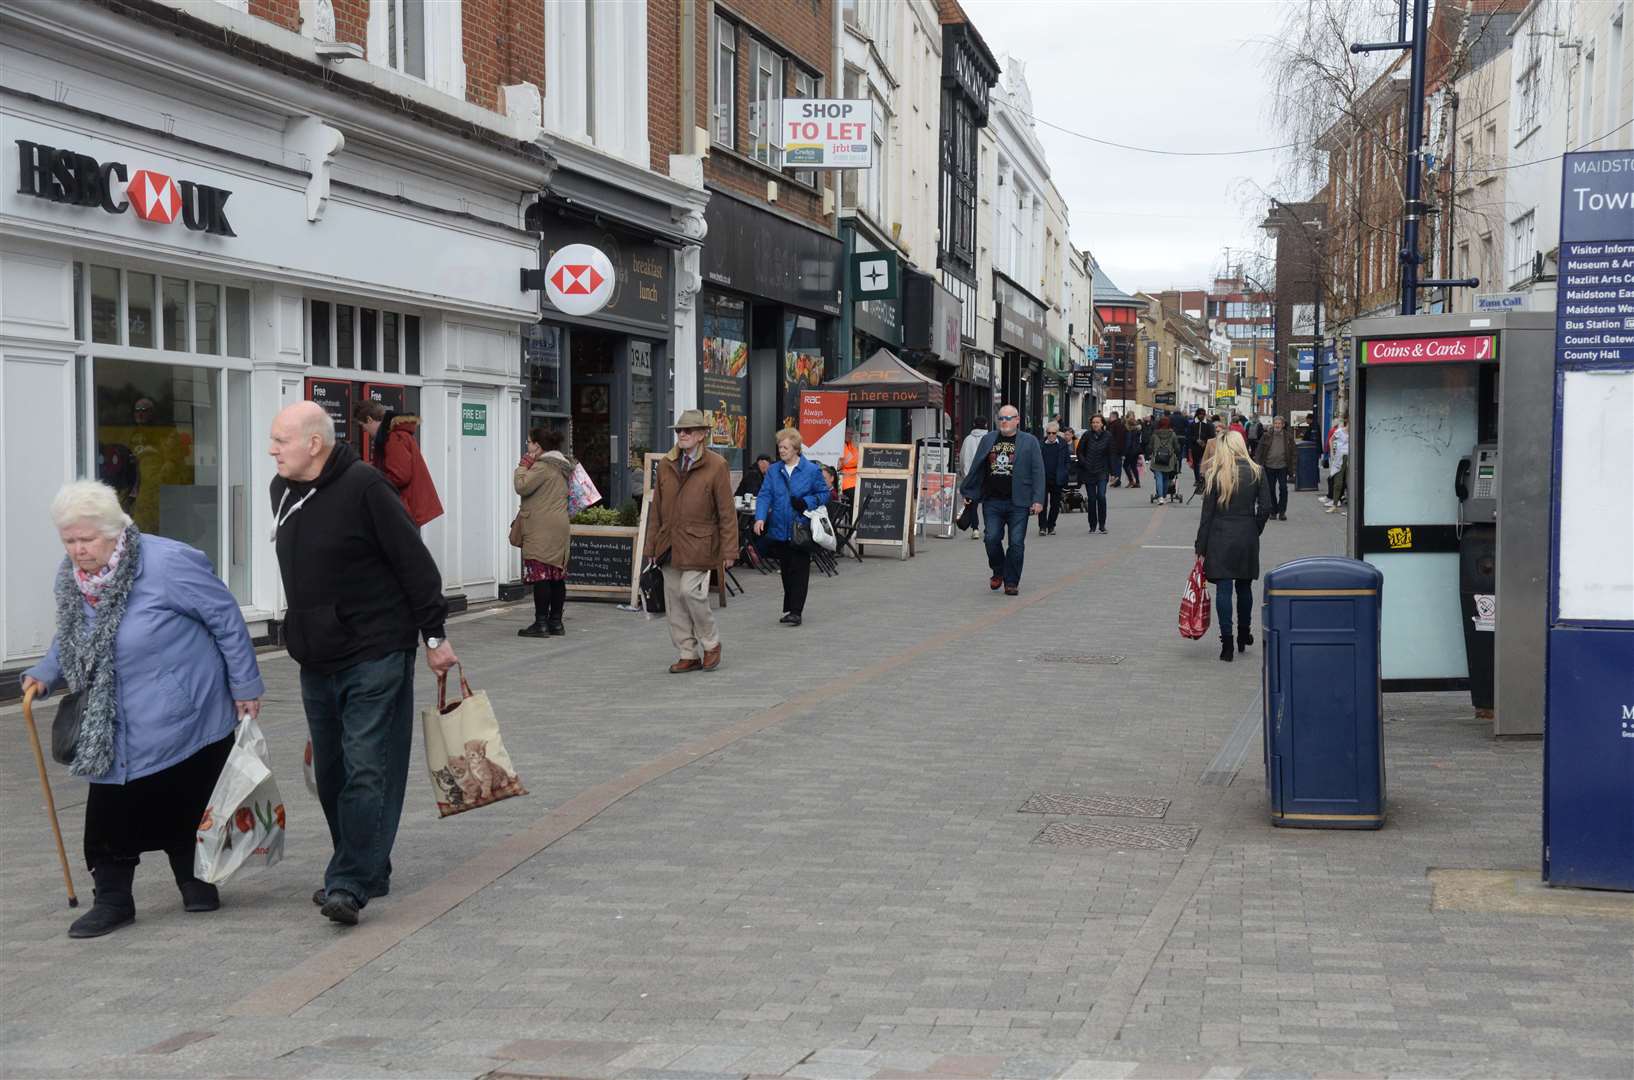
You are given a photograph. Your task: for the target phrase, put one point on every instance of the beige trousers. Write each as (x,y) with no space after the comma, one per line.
(686,606)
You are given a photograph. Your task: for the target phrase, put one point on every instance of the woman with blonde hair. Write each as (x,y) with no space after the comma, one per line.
(1237,503)
(792,486)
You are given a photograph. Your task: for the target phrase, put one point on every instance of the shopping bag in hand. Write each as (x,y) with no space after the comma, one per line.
(243,824)
(581,490)
(1195,605)
(822,529)
(309,771)
(464,753)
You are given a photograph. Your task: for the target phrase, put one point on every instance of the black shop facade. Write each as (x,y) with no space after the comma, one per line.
(1021,348)
(603,379)
(768,316)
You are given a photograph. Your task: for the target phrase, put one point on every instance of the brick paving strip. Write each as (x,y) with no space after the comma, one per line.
(297,987)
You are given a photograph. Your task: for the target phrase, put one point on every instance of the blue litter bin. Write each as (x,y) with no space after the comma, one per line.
(1324,717)
(1308,467)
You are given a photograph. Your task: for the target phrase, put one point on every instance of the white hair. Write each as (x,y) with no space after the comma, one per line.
(321,424)
(89,502)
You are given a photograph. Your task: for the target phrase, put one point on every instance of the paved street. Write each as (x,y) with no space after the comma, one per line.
(811,863)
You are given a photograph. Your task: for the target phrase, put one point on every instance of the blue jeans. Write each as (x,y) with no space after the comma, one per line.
(1095,500)
(1245,605)
(1162,481)
(361,720)
(999,515)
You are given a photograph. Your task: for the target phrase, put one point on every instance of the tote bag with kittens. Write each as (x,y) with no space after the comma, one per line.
(464,753)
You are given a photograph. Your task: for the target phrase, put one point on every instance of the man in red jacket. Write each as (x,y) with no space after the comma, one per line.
(395,451)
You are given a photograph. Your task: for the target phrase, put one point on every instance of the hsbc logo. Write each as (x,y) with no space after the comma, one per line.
(62,176)
(577,280)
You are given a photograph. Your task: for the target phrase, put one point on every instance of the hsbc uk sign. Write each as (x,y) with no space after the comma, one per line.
(62,176)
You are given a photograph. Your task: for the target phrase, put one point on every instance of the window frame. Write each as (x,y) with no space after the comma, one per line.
(724,39)
(768,80)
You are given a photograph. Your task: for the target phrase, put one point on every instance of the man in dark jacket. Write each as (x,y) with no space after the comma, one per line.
(1006,475)
(361,588)
(1056,450)
(1096,465)
(1276,455)
(1115,428)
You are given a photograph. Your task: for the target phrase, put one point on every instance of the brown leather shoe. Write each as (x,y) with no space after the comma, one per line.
(712,658)
(686,663)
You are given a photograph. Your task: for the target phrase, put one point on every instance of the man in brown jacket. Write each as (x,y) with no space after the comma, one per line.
(693,530)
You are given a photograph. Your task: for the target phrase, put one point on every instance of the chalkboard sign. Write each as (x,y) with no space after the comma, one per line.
(887,457)
(882,509)
(601,559)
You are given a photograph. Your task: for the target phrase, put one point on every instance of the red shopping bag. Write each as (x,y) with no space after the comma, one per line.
(1195,604)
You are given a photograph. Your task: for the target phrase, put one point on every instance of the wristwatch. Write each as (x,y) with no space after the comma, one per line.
(435,642)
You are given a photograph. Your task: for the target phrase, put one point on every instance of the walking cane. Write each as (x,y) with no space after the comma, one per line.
(45,786)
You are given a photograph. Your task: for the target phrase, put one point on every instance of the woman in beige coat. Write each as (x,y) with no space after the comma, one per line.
(542,481)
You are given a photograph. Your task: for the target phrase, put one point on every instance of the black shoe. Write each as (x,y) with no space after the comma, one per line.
(533,629)
(319,895)
(787,617)
(199,896)
(1226,651)
(340,907)
(1103,528)
(555,628)
(102,919)
(1244,640)
(792,619)
(1282,517)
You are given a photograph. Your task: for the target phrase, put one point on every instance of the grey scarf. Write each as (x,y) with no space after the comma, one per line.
(86,655)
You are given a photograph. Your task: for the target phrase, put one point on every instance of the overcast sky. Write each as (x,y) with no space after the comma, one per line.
(1168,74)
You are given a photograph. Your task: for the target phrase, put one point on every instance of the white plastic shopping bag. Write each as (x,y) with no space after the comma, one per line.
(822,529)
(243,823)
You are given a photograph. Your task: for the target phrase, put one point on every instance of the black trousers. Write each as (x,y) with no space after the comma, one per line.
(1278,479)
(157,812)
(795,564)
(1052,505)
(549,598)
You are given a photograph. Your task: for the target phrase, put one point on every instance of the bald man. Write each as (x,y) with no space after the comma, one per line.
(361,591)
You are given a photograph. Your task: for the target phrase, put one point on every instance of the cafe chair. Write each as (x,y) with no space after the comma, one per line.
(845,529)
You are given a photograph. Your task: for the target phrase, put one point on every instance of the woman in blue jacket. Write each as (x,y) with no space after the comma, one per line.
(158,650)
(792,486)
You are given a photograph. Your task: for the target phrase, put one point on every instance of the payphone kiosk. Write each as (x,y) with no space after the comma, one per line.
(1437,403)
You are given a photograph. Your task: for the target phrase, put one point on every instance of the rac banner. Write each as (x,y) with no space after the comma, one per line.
(822,425)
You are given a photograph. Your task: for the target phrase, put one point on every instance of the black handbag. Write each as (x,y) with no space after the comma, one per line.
(967,517)
(800,534)
(65,728)
(651,584)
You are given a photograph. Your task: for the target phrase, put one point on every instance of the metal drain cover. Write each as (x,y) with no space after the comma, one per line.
(1108,835)
(1092,658)
(1096,805)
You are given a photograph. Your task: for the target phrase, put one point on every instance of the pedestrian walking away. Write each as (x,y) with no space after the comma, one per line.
(1117,428)
(394,449)
(1095,469)
(1165,461)
(793,486)
(1133,444)
(1200,432)
(1007,478)
(360,588)
(967,454)
(1276,455)
(1236,505)
(542,480)
(1056,451)
(155,648)
(693,532)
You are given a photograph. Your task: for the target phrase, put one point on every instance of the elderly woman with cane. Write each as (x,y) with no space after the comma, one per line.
(154,648)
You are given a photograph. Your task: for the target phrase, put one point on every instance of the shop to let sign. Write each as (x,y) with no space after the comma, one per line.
(1431,350)
(473,419)
(828,133)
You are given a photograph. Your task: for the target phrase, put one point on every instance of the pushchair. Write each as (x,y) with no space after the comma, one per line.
(1072,496)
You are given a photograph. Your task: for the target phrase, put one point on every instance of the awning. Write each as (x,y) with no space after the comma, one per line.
(886,382)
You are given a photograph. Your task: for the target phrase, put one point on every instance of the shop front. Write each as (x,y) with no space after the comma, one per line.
(1022,346)
(767,322)
(168,291)
(931,321)
(604,380)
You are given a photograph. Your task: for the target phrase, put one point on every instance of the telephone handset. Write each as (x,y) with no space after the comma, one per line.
(1476,485)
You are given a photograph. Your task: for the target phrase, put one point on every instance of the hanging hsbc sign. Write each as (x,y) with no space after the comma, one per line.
(63,176)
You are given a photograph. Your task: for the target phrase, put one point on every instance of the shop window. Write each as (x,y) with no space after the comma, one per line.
(139,320)
(104,305)
(724,85)
(723,374)
(803,362)
(411,344)
(345,338)
(368,341)
(206,318)
(175,315)
(364,338)
(318,320)
(389,338)
(238,322)
(766,106)
(144,311)
(542,348)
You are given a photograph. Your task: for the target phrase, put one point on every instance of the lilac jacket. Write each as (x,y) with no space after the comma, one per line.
(183,656)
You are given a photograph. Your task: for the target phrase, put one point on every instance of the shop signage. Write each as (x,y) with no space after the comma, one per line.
(63,176)
(601,559)
(978,369)
(1020,319)
(1083,380)
(822,425)
(334,396)
(828,133)
(1151,365)
(1164,397)
(1224,393)
(1500,301)
(874,275)
(1595,307)
(473,419)
(932,317)
(392,397)
(640,272)
(880,318)
(579,279)
(1431,350)
(760,253)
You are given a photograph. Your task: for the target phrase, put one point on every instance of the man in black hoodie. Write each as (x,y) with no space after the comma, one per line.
(360,589)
